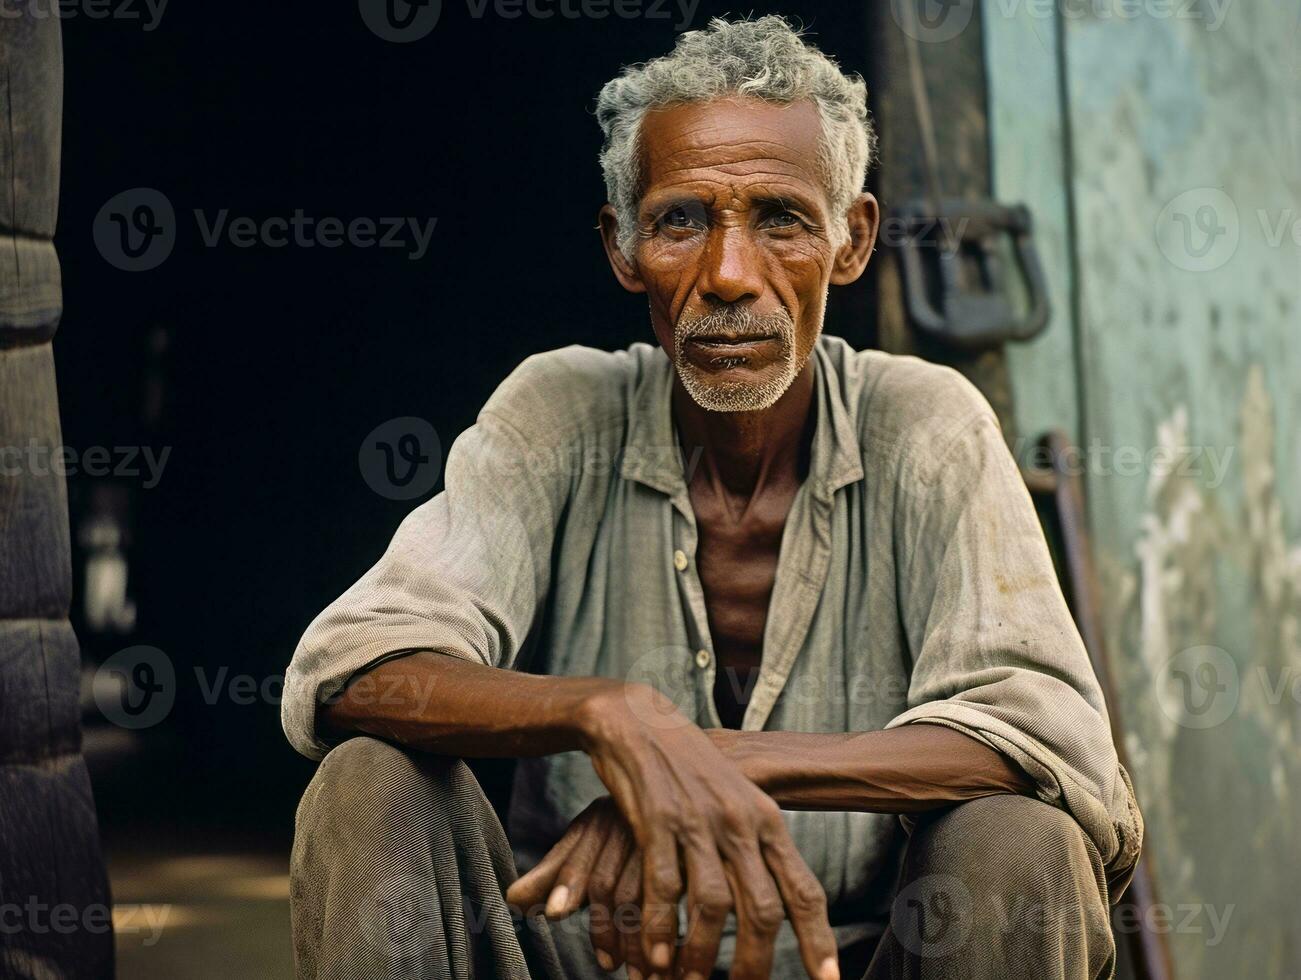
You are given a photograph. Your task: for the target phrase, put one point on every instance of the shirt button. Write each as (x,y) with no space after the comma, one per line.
(702,659)
(680,560)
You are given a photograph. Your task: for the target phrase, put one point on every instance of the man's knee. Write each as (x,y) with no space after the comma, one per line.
(366,789)
(1010,842)
(1010,873)
(391,847)
(361,776)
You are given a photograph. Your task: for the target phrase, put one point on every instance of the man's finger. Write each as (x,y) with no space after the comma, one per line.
(606,872)
(806,906)
(569,889)
(531,890)
(759,912)
(661,889)
(709,900)
(626,919)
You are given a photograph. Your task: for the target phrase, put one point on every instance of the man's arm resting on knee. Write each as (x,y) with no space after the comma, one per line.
(442,704)
(704,831)
(900,770)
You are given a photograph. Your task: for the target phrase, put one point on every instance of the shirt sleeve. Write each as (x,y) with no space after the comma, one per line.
(996,654)
(465,574)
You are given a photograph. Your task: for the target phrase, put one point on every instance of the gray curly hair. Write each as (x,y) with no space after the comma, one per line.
(764,58)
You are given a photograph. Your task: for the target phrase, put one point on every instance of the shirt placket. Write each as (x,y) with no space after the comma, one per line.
(802,566)
(703,664)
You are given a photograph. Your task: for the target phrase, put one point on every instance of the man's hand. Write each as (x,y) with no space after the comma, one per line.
(699,806)
(587,866)
(702,831)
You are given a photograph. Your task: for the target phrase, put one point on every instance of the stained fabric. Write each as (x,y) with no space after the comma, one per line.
(913,585)
(399,868)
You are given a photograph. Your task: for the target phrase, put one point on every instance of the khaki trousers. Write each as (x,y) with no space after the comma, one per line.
(400,865)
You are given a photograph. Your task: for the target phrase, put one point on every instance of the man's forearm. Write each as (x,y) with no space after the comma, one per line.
(438,703)
(700,826)
(901,770)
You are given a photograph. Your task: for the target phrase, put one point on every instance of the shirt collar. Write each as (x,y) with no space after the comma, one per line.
(652,455)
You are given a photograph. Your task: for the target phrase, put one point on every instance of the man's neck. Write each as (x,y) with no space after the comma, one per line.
(743,453)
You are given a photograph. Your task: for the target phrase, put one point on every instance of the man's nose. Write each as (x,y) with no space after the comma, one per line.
(731,270)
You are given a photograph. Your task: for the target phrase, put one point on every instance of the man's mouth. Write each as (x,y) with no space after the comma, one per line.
(732,342)
(732,359)
(722,352)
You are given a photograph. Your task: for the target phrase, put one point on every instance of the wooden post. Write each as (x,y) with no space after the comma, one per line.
(54,902)
(953,66)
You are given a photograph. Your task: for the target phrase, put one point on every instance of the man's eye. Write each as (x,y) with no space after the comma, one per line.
(679,217)
(782,219)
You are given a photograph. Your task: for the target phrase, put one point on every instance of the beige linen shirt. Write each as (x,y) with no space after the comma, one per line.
(913,585)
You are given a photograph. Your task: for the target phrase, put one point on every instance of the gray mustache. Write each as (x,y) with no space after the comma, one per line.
(739,321)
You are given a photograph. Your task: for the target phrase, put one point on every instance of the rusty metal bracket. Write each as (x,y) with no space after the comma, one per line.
(963,264)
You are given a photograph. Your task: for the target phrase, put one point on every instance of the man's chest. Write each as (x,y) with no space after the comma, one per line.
(737,555)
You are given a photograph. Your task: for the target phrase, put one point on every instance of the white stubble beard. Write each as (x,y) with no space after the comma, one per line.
(736,396)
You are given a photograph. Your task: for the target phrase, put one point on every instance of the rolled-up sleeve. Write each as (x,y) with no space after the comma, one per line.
(995,652)
(465,574)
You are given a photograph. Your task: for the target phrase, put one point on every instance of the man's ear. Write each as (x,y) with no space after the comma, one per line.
(624,270)
(864,217)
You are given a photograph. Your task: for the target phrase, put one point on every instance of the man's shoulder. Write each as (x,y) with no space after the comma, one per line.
(561,393)
(890,395)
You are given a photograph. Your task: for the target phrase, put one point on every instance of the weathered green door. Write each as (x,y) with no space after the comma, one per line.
(1159,143)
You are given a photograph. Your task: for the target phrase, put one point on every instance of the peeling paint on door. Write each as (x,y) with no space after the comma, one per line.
(1176,324)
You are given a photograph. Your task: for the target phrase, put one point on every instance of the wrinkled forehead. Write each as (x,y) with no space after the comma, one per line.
(734,141)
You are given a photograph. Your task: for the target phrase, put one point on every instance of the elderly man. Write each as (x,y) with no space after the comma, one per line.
(769,623)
